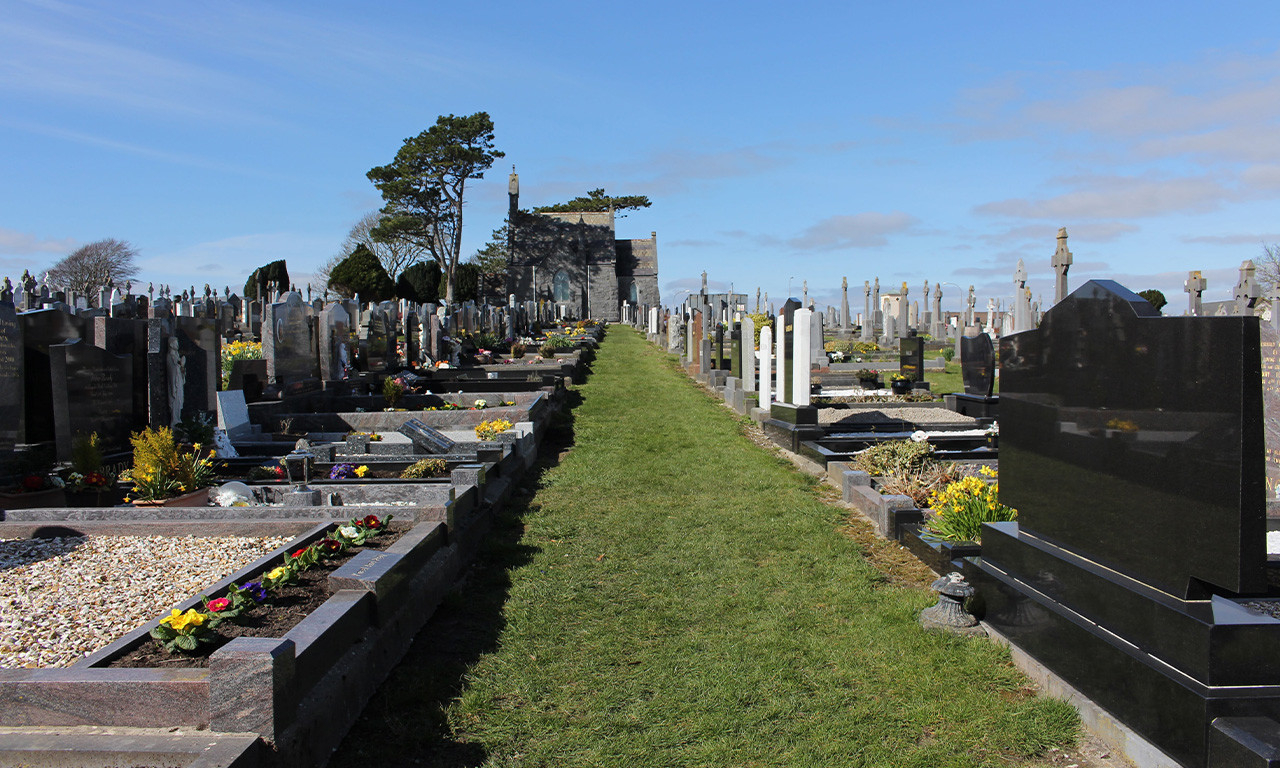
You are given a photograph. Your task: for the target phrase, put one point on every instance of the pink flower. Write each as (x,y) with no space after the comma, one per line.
(218,605)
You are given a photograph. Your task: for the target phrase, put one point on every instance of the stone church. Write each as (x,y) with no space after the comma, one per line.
(574,258)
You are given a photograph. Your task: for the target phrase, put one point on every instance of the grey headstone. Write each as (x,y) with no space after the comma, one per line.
(426,437)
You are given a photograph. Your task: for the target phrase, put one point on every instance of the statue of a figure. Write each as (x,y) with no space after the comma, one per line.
(177,368)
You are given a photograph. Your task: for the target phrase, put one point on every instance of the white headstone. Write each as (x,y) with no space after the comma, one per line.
(748,349)
(781,360)
(801,362)
(766,383)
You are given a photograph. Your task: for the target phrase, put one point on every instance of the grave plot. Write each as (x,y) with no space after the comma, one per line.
(850,429)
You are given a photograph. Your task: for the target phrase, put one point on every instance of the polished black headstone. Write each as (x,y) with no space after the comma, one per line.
(788,331)
(11,393)
(426,437)
(911,357)
(1136,441)
(978,365)
(1270,349)
(92,392)
(40,329)
(376,340)
(201,346)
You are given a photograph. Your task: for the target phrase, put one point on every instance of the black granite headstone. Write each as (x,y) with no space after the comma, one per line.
(788,331)
(92,392)
(375,340)
(426,437)
(11,392)
(1270,354)
(911,357)
(1137,440)
(201,345)
(40,329)
(978,365)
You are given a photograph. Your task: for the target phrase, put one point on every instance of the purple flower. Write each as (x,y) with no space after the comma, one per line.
(342,472)
(255,590)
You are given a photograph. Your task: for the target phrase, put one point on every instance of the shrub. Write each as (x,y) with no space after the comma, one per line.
(392,391)
(361,273)
(761,320)
(920,485)
(517,350)
(960,509)
(86,454)
(895,457)
(160,470)
(948,353)
(425,468)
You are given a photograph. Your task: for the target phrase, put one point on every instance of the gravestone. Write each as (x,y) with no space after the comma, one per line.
(200,344)
(1132,446)
(233,414)
(787,339)
(1269,347)
(334,346)
(92,392)
(377,337)
(911,357)
(11,391)
(425,437)
(125,337)
(41,329)
(286,341)
(747,332)
(978,365)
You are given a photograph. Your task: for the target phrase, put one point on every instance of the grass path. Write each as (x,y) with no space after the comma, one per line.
(673,595)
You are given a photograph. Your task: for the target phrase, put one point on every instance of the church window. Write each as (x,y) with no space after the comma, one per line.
(560,286)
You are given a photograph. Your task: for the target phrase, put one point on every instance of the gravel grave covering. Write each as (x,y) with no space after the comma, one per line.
(864,415)
(63,598)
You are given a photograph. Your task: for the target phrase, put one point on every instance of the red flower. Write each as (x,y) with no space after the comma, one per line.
(33,483)
(94,478)
(329,545)
(280,472)
(300,553)
(371,521)
(220,604)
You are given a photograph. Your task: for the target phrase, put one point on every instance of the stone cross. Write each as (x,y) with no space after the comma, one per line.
(970,303)
(804,301)
(902,312)
(875,305)
(1194,286)
(1246,293)
(704,282)
(757,299)
(844,303)
(937,329)
(1021,299)
(868,318)
(1061,263)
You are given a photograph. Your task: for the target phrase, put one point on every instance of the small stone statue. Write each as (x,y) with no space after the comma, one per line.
(151,293)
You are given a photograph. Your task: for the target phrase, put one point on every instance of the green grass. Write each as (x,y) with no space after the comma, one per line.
(674,595)
(949,380)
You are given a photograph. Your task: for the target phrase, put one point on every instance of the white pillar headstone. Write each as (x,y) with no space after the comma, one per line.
(748,348)
(802,356)
(766,383)
(782,359)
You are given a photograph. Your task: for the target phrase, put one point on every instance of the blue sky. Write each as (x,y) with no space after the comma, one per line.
(811,142)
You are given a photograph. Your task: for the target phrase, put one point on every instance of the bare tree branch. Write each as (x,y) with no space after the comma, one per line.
(91,267)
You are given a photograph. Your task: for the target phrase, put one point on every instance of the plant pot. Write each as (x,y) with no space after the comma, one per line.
(50,497)
(900,387)
(198,498)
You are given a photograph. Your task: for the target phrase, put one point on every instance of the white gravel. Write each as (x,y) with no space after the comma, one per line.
(63,598)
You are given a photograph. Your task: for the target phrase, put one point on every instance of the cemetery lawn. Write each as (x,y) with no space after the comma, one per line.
(672,594)
(949,380)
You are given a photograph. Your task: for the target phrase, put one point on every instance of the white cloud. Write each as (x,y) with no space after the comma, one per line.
(1117,197)
(869,229)
(19,243)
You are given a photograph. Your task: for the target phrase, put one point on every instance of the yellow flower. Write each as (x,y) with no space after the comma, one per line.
(362,470)
(277,573)
(180,621)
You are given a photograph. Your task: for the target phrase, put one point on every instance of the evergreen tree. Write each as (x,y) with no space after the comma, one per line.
(267,280)
(420,283)
(361,273)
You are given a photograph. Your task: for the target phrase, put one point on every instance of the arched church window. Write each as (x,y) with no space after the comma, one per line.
(560,286)
(634,293)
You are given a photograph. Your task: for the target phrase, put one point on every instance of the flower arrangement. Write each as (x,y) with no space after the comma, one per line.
(88,483)
(187,630)
(445,407)
(347,471)
(960,509)
(161,471)
(40,482)
(867,374)
(268,472)
(1122,425)
(900,377)
(489,430)
(481,404)
(372,437)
